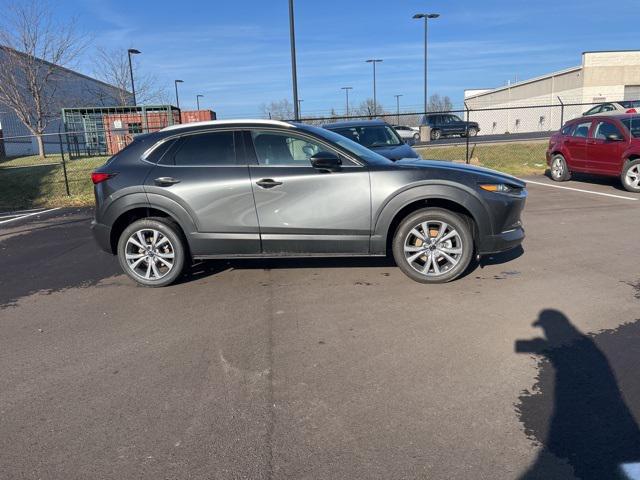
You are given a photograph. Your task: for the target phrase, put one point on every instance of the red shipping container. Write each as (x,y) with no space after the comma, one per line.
(191,116)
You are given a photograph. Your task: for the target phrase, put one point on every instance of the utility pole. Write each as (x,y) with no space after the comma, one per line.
(398,108)
(294,73)
(346,89)
(375,100)
(426,17)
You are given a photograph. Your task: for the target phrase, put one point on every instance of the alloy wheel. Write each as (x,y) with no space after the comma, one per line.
(149,254)
(633,176)
(433,248)
(557,168)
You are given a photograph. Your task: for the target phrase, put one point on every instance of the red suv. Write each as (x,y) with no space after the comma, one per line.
(602,145)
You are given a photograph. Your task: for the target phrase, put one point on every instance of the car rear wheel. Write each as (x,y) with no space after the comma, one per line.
(416,137)
(472,131)
(631,176)
(151,251)
(559,169)
(435,134)
(433,246)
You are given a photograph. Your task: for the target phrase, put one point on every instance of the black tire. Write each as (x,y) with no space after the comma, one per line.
(432,217)
(629,176)
(559,170)
(416,137)
(435,134)
(472,131)
(173,245)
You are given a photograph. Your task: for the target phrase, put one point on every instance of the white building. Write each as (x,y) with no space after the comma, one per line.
(606,76)
(72,89)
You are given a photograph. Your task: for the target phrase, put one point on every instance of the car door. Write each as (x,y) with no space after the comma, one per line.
(576,144)
(304,210)
(456,125)
(203,174)
(604,156)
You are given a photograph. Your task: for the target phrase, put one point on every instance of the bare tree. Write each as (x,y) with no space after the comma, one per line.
(112,67)
(280,110)
(368,109)
(439,104)
(33,47)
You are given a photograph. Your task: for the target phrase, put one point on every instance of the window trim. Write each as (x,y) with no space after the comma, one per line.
(249,138)
(596,125)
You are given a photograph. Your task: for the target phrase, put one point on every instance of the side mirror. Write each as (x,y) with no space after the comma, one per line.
(614,137)
(326,161)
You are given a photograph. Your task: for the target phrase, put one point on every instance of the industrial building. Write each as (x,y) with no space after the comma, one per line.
(72,89)
(605,76)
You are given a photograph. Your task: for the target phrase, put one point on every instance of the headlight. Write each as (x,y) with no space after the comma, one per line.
(500,188)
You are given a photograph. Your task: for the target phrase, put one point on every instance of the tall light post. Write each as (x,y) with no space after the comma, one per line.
(176,82)
(300,106)
(198,97)
(375,101)
(346,90)
(398,108)
(294,73)
(132,51)
(426,17)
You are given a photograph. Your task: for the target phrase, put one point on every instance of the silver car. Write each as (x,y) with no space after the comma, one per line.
(408,133)
(614,108)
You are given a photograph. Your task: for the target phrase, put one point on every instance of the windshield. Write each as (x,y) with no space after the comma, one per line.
(371,136)
(349,145)
(630,103)
(633,125)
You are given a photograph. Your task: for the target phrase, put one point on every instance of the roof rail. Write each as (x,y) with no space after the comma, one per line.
(277,123)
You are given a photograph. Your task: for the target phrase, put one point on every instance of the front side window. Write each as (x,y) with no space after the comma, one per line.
(582,130)
(205,149)
(284,150)
(454,118)
(604,129)
(566,130)
(371,136)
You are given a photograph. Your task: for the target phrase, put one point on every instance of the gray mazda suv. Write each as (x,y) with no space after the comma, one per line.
(258,188)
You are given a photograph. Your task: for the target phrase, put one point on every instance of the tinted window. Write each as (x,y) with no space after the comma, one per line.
(566,130)
(371,136)
(355,148)
(582,130)
(206,149)
(280,149)
(607,107)
(454,118)
(593,110)
(604,129)
(633,125)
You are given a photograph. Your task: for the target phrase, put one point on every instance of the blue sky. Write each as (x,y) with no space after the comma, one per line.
(237,53)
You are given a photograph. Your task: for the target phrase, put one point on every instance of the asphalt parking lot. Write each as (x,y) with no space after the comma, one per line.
(526,368)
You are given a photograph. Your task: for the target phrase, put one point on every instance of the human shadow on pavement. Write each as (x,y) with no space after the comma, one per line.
(591,427)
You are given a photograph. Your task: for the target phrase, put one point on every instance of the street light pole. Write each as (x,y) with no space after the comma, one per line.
(375,101)
(300,106)
(176,82)
(426,17)
(398,108)
(346,89)
(132,51)
(294,73)
(198,97)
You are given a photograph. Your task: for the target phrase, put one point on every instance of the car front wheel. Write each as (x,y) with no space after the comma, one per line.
(435,134)
(559,169)
(631,176)
(433,246)
(472,132)
(151,251)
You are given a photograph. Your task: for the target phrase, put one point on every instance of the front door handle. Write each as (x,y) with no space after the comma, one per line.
(166,181)
(268,183)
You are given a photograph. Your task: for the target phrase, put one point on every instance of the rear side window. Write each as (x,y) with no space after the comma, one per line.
(604,129)
(582,130)
(205,149)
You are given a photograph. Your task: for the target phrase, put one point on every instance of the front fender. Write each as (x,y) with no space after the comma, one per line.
(464,196)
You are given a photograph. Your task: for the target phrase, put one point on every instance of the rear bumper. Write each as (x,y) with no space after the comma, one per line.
(102,236)
(502,242)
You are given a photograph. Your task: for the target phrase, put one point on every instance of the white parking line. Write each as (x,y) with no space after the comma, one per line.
(584,191)
(29,215)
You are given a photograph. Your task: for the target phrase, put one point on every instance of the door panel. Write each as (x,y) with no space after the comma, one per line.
(605,156)
(303,210)
(217,195)
(576,144)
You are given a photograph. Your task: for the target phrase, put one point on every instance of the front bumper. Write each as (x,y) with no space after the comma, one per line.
(501,242)
(102,235)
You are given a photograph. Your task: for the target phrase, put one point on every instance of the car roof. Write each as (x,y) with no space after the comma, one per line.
(354,123)
(588,118)
(222,123)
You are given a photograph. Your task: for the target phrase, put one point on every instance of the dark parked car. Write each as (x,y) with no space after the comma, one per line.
(376,135)
(238,189)
(447,124)
(602,145)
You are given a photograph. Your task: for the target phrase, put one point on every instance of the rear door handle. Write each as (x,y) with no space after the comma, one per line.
(268,183)
(166,181)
